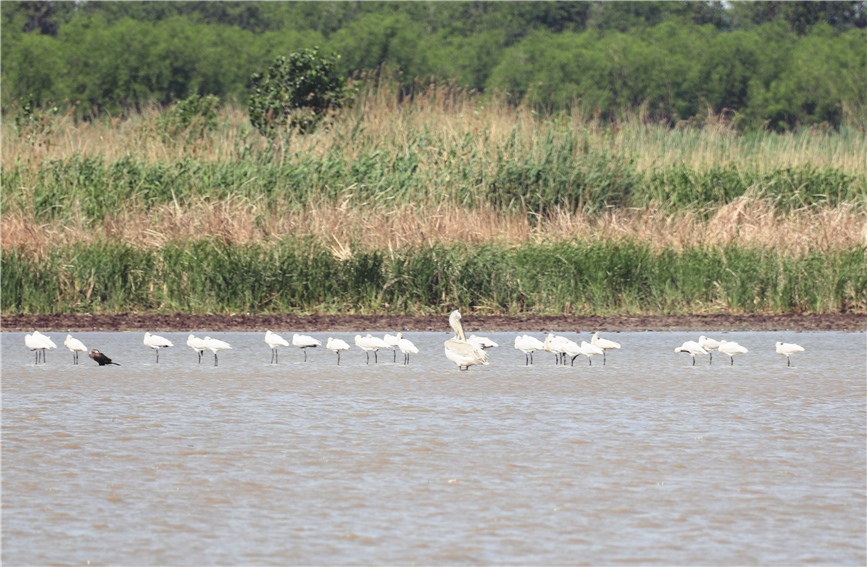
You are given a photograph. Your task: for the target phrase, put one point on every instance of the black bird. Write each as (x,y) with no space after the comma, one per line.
(100,358)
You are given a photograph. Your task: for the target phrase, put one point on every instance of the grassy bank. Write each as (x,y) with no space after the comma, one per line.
(421,205)
(559,278)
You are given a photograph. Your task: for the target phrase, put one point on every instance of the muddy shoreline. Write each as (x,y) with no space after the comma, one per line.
(180,322)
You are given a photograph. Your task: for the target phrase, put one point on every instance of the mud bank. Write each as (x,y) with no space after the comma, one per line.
(380,323)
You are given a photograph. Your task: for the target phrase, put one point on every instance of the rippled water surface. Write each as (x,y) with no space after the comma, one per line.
(644,460)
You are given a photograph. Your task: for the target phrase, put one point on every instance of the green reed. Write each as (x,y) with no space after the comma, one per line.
(299,276)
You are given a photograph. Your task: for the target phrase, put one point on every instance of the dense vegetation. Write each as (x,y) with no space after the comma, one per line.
(780,65)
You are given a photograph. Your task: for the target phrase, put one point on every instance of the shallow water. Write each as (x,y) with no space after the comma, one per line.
(646,459)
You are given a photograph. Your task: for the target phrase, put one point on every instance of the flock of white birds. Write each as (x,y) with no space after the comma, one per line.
(461,350)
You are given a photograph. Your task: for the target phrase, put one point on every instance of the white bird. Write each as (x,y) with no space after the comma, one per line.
(391,341)
(528,345)
(691,347)
(591,350)
(458,350)
(46,338)
(336,345)
(197,345)
(157,342)
(730,349)
(39,343)
(604,344)
(788,349)
(561,346)
(215,345)
(406,347)
(274,340)
(709,345)
(370,343)
(483,343)
(304,342)
(74,345)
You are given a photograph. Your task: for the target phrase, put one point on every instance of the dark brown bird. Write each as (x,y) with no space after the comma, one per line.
(100,358)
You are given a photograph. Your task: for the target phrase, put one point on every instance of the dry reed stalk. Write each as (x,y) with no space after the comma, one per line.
(744,222)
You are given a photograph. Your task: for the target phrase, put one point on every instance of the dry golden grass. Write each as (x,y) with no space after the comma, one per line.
(744,222)
(449,117)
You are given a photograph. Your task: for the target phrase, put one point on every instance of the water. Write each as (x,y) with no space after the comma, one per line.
(644,460)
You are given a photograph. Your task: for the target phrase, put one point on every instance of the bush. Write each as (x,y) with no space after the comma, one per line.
(193,117)
(297,92)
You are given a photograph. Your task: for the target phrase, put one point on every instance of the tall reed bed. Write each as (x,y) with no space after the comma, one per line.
(299,275)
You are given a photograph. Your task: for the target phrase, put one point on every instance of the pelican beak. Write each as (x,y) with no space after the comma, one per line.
(460,330)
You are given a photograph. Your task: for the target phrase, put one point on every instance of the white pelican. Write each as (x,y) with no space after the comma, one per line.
(74,345)
(591,350)
(157,342)
(37,342)
(391,341)
(274,340)
(304,342)
(604,344)
(215,345)
(458,350)
(406,347)
(788,349)
(691,347)
(370,343)
(197,345)
(528,345)
(483,343)
(730,349)
(709,345)
(336,345)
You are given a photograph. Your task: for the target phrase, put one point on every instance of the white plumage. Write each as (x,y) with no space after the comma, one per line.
(591,350)
(304,342)
(483,343)
(336,345)
(156,342)
(75,346)
(370,343)
(197,345)
(215,345)
(691,347)
(391,341)
(788,349)
(730,349)
(406,347)
(273,340)
(39,343)
(604,344)
(458,350)
(709,345)
(528,345)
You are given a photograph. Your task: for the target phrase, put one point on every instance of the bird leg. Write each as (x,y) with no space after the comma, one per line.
(375,360)
(215,359)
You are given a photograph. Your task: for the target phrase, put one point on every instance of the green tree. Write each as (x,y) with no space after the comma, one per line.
(297,91)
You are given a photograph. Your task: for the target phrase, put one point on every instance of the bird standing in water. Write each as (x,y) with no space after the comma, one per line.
(100,358)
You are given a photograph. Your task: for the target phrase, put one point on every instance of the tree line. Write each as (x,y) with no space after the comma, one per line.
(773,64)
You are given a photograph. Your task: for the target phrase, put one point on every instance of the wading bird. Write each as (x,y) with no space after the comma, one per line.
(730,349)
(39,343)
(458,350)
(528,345)
(709,345)
(157,343)
(691,347)
(336,345)
(406,347)
(370,343)
(483,343)
(304,342)
(561,347)
(274,340)
(100,358)
(197,345)
(591,350)
(74,345)
(788,349)
(604,344)
(391,341)
(215,345)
